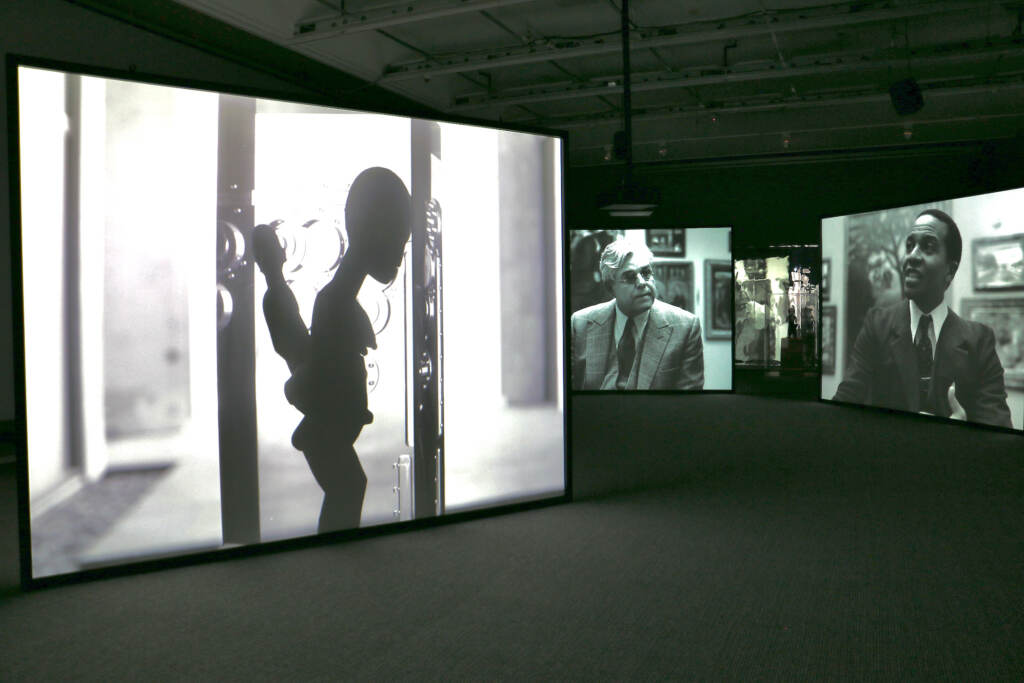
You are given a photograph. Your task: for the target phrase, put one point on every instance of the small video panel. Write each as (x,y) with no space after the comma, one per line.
(651,310)
(778,309)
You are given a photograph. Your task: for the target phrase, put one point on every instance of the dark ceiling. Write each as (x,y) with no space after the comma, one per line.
(711,78)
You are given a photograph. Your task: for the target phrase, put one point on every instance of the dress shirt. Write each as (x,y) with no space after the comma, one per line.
(611,375)
(639,323)
(938,315)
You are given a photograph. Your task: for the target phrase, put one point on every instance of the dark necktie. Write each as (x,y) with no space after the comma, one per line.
(627,352)
(924,362)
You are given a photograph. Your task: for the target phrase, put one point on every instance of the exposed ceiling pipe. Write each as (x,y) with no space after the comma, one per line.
(314,30)
(1012,82)
(627,95)
(829,64)
(684,34)
(628,199)
(814,130)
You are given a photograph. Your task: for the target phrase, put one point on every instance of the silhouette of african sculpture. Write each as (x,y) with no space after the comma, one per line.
(328,374)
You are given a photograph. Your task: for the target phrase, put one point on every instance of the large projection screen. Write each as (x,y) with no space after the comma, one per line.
(922,322)
(672,289)
(248,320)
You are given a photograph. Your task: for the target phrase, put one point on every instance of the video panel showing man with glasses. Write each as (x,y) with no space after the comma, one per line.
(625,336)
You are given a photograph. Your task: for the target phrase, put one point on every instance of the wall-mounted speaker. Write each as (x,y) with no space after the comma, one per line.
(906,96)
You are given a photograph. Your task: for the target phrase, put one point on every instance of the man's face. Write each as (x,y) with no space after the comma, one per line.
(926,267)
(633,285)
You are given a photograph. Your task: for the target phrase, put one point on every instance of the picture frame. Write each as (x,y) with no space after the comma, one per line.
(674,279)
(666,242)
(718,293)
(1006,319)
(828,340)
(826,279)
(997,263)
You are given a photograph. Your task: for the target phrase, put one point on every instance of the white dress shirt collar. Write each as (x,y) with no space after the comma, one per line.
(938,314)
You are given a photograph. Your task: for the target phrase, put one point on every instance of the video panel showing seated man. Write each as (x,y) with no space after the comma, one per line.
(651,310)
(919,326)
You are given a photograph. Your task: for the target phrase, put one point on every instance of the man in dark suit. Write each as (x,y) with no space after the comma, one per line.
(635,341)
(918,355)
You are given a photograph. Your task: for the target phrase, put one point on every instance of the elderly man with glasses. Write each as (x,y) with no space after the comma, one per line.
(635,342)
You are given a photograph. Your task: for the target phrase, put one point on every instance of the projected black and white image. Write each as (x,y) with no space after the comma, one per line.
(248,320)
(912,334)
(777,311)
(639,319)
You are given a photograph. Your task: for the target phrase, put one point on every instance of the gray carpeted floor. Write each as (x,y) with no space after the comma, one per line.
(749,573)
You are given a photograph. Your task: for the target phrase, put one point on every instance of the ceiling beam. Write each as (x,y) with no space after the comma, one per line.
(815,151)
(644,39)
(815,65)
(312,30)
(917,127)
(854,96)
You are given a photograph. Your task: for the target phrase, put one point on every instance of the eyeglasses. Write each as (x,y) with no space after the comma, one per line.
(630,277)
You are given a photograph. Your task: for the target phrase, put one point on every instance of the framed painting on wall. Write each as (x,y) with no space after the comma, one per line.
(667,242)
(998,263)
(674,279)
(828,340)
(1006,318)
(718,299)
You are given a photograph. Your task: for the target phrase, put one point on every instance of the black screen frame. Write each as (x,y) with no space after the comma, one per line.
(567,285)
(18,426)
(905,414)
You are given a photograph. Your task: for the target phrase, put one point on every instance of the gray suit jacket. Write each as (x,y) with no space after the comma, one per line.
(672,355)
